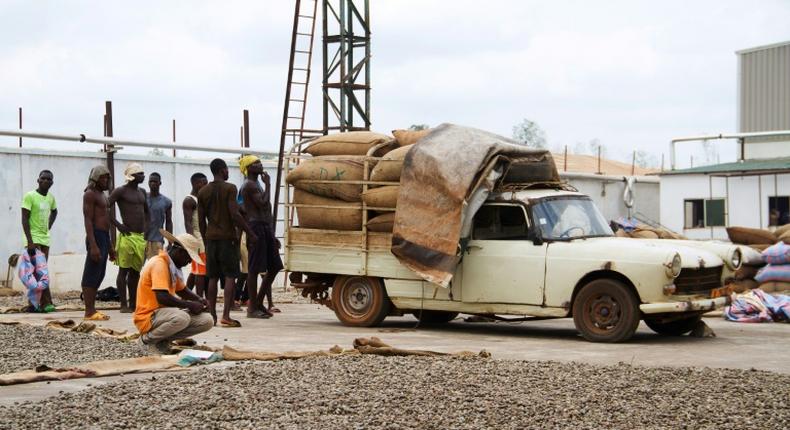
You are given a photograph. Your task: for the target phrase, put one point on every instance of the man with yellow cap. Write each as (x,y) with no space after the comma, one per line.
(263,255)
(130,243)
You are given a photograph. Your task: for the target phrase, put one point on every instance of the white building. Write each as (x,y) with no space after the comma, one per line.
(754,191)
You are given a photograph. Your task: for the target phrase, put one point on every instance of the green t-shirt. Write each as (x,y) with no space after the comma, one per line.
(40,207)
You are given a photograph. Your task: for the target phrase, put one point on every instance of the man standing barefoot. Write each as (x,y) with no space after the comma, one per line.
(218,212)
(264,256)
(96,216)
(38,215)
(191,224)
(130,243)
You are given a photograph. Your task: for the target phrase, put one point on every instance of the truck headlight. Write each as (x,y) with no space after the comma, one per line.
(735,259)
(673,267)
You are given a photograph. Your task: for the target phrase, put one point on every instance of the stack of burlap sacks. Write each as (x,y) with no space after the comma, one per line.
(770,271)
(644,231)
(340,158)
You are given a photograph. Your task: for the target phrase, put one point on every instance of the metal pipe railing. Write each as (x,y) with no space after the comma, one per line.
(130,143)
(740,136)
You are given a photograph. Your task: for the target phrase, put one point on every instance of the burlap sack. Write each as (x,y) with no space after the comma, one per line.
(409,137)
(782,229)
(784,237)
(390,165)
(746,272)
(347,217)
(761,247)
(382,223)
(743,285)
(750,236)
(621,233)
(667,234)
(775,287)
(349,168)
(644,234)
(351,143)
(382,197)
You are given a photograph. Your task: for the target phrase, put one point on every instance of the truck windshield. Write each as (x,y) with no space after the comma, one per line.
(569,218)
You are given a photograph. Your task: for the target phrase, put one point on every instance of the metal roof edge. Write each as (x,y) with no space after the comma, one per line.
(762,47)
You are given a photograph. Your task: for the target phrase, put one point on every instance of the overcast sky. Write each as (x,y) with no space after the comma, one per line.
(631,74)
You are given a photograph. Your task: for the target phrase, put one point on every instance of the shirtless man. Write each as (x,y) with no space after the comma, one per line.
(218,218)
(264,255)
(197,277)
(96,216)
(130,244)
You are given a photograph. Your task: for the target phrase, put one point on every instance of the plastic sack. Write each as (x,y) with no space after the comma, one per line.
(34,275)
(778,253)
(771,272)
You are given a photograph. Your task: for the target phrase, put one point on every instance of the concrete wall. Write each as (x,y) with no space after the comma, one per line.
(607,193)
(20,168)
(746,200)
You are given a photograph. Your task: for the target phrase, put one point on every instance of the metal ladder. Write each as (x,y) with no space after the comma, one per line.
(295,106)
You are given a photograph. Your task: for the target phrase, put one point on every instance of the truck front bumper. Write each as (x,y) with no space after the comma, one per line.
(685,306)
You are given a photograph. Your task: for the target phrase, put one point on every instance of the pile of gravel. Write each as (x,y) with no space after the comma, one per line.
(417,392)
(25,347)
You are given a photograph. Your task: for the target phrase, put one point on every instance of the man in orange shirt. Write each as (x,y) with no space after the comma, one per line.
(166,310)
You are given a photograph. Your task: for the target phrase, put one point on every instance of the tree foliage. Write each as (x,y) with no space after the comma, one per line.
(530,134)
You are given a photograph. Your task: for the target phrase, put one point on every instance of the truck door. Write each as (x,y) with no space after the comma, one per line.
(500,264)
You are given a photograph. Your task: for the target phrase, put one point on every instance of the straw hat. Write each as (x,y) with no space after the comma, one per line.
(190,243)
(131,170)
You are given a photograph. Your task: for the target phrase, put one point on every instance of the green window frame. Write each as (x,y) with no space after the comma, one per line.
(704,213)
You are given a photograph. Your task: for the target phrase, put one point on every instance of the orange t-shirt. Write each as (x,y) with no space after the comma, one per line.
(154,276)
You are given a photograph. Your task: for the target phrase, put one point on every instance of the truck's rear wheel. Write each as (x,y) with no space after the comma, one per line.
(605,310)
(360,301)
(434,317)
(674,328)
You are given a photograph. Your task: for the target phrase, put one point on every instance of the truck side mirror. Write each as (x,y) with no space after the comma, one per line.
(533,234)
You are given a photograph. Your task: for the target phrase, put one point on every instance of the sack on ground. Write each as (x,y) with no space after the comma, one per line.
(382,223)
(351,143)
(739,286)
(382,197)
(775,287)
(644,234)
(329,168)
(784,237)
(750,236)
(777,254)
(781,230)
(390,165)
(346,216)
(409,137)
(776,273)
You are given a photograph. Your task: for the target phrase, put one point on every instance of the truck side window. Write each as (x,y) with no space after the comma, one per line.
(498,222)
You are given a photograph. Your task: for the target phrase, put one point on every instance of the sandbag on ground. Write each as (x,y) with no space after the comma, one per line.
(409,137)
(348,168)
(382,197)
(775,287)
(347,217)
(390,165)
(643,234)
(351,143)
(741,285)
(750,236)
(382,223)
(93,369)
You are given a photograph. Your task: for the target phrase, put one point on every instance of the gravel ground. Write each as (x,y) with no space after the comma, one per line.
(414,392)
(25,347)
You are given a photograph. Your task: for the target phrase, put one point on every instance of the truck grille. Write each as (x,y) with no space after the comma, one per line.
(695,281)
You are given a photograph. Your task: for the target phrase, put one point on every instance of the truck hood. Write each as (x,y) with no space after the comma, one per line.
(691,257)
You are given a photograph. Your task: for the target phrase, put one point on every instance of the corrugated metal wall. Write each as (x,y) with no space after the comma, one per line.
(764,88)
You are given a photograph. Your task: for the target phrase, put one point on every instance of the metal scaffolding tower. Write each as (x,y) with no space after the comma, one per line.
(346,61)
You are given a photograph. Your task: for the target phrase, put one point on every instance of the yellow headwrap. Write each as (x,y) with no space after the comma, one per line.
(245,162)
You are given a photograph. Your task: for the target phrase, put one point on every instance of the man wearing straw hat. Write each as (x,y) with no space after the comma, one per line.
(130,244)
(166,309)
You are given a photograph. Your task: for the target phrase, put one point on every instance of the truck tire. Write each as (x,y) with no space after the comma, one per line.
(674,328)
(434,317)
(360,301)
(605,310)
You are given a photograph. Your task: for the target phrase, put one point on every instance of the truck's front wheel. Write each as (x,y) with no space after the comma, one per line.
(360,301)
(605,310)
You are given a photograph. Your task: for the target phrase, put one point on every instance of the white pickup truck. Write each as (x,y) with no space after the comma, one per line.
(535,253)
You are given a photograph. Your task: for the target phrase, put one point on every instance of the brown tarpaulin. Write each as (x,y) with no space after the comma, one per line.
(445,178)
